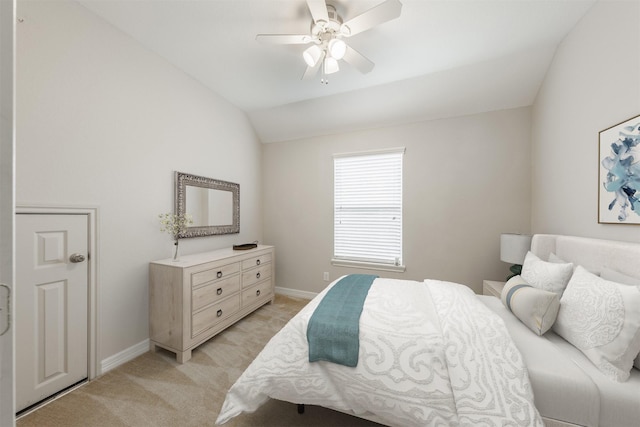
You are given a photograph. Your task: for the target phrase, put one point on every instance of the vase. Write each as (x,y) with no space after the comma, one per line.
(176,257)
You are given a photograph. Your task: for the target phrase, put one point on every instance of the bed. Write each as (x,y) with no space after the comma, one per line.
(433,353)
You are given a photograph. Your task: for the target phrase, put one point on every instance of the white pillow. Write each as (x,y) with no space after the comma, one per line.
(616,276)
(555,258)
(602,319)
(550,276)
(534,307)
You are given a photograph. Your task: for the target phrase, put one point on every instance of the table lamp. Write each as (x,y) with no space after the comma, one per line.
(513,249)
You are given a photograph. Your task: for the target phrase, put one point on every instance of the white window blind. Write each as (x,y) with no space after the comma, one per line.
(368,207)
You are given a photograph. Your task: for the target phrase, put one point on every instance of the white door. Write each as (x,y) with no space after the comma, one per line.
(51,304)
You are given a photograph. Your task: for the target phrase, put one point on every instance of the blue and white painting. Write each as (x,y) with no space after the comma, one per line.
(619,195)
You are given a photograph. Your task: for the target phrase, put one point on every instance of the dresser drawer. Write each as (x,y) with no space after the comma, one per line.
(261,291)
(256,275)
(214,274)
(214,291)
(256,261)
(213,314)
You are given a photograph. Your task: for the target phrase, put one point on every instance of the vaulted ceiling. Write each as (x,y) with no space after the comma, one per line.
(440,58)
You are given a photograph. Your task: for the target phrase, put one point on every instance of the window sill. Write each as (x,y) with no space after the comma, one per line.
(368,265)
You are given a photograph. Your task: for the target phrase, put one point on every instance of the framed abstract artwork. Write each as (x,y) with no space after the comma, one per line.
(619,176)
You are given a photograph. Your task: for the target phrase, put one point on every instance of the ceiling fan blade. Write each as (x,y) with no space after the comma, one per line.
(318,9)
(310,72)
(284,38)
(386,11)
(357,60)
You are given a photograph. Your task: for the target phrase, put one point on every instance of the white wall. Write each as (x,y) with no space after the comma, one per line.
(592,84)
(7,116)
(103,122)
(466,180)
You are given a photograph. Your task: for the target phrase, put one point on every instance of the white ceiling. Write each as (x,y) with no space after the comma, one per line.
(441,58)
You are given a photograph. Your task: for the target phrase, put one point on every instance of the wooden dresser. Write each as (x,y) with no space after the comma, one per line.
(195,298)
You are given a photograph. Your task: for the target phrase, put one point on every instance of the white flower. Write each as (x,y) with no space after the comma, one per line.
(174,224)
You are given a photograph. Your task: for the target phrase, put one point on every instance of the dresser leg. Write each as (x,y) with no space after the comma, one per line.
(183,356)
(152,347)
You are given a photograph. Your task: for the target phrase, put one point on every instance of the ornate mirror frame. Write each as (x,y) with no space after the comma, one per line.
(182,180)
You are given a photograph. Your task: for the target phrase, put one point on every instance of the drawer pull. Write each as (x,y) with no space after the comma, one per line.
(258,275)
(257,262)
(219,274)
(219,313)
(258,293)
(219,291)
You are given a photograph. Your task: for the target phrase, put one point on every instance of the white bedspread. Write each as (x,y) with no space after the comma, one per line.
(430,354)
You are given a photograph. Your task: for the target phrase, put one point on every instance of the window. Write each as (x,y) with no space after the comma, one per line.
(368,209)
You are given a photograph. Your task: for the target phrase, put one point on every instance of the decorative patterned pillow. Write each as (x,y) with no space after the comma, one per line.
(602,319)
(616,276)
(536,308)
(550,276)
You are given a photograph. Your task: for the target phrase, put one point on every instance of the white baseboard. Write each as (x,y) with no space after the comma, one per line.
(295,293)
(124,356)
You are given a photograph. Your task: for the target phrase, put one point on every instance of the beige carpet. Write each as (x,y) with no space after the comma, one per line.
(154,390)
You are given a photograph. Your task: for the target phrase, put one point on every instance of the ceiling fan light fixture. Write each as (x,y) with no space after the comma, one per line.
(330,65)
(325,38)
(337,48)
(312,55)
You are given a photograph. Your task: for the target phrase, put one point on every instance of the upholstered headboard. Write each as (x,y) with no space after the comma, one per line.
(592,254)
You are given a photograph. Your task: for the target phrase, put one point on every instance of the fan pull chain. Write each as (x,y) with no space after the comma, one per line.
(323,79)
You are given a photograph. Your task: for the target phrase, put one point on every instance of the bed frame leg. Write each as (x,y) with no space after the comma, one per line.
(301,408)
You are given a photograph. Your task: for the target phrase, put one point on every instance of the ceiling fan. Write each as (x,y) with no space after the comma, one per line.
(327,33)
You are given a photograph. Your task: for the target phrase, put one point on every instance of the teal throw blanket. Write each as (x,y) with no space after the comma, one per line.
(333,331)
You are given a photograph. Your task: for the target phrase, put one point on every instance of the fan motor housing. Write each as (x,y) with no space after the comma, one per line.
(333,14)
(333,26)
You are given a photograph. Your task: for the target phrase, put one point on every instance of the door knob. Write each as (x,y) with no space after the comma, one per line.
(76,258)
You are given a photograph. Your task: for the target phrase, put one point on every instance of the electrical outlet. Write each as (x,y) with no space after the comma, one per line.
(325,276)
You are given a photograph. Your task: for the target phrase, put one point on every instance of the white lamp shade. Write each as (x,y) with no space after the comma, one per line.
(330,65)
(337,48)
(514,247)
(312,55)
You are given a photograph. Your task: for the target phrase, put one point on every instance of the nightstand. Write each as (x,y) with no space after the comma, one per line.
(492,288)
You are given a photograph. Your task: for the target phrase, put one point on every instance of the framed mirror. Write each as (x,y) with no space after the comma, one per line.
(214,205)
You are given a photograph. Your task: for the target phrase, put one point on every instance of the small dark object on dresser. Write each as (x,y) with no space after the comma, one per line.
(245,246)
